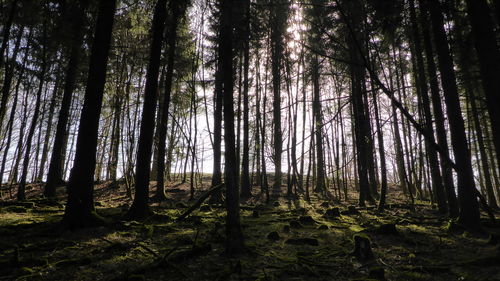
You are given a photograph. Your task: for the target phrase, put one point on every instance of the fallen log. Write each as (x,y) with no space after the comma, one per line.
(198,203)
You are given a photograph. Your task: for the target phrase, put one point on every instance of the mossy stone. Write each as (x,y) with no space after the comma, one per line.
(274,236)
(332,213)
(295,224)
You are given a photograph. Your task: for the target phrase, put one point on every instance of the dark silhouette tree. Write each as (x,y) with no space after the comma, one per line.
(80,210)
(234,235)
(140,208)
(55,172)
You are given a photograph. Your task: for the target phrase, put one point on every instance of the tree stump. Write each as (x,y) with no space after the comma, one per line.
(362,248)
(332,213)
(274,236)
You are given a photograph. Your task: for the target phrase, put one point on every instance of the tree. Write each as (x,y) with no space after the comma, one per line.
(318,14)
(278,26)
(246,190)
(422,89)
(140,208)
(353,17)
(469,207)
(79,211)
(176,8)
(234,235)
(489,58)
(54,175)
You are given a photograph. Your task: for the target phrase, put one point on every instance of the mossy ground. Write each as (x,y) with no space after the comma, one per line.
(34,247)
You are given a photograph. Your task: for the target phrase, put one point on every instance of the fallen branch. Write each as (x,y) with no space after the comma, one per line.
(485,206)
(197,204)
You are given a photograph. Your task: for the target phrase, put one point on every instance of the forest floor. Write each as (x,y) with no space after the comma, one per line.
(285,240)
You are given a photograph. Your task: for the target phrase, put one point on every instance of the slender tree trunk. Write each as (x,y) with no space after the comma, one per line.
(140,208)
(442,139)
(55,173)
(422,90)
(162,135)
(48,132)
(318,128)
(217,171)
(246,190)
(278,19)
(29,138)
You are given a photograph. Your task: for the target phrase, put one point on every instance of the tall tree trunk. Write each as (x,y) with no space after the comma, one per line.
(246,190)
(318,128)
(29,138)
(79,210)
(140,208)
(422,90)
(234,235)
(217,170)
(469,207)
(55,173)
(278,19)
(442,139)
(489,59)
(162,135)
(354,21)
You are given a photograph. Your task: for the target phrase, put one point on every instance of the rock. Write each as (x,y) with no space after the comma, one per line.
(255,214)
(388,229)
(286,228)
(306,220)
(362,248)
(332,213)
(302,241)
(323,227)
(325,204)
(274,236)
(276,204)
(377,273)
(295,224)
(205,208)
(302,211)
(351,210)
